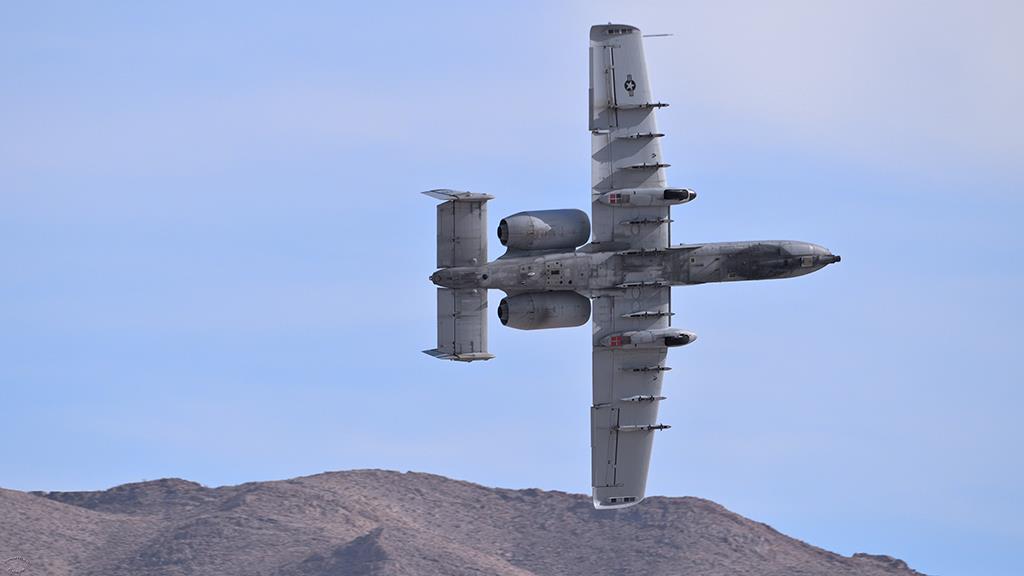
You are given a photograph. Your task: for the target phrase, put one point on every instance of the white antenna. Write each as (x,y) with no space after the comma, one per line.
(657,35)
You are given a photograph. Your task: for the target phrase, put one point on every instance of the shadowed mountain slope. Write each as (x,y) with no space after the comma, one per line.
(379,523)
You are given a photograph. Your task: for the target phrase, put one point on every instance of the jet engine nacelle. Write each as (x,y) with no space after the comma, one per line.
(545,230)
(541,310)
(660,338)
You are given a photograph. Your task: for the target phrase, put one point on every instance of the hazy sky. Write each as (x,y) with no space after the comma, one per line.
(215,257)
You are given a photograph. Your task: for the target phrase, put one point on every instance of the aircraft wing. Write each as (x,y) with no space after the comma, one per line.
(627,390)
(625,151)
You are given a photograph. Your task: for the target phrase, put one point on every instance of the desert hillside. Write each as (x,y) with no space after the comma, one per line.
(372,522)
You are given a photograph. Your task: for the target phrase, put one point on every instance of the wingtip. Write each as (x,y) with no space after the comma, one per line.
(600,32)
(614,504)
(612,497)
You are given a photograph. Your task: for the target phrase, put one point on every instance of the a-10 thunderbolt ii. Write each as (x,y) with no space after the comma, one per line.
(623,278)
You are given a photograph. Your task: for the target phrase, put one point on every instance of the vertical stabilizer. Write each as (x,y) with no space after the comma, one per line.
(461,228)
(461,325)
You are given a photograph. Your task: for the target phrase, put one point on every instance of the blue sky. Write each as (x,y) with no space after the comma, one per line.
(215,257)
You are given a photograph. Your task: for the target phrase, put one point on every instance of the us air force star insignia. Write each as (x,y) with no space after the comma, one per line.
(15,565)
(630,85)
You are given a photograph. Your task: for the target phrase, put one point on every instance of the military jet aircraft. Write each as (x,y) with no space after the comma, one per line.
(622,278)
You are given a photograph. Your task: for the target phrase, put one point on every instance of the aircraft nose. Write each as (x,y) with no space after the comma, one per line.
(824,256)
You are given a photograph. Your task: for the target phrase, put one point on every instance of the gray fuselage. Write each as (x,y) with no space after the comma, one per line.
(591,271)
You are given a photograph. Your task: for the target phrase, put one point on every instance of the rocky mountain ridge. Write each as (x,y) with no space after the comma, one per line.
(382,523)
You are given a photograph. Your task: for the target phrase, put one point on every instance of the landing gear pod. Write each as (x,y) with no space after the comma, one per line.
(640,197)
(662,338)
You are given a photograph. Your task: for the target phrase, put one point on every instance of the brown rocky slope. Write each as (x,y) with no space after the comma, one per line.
(380,523)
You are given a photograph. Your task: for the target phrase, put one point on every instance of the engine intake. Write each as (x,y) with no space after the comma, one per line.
(541,310)
(545,230)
